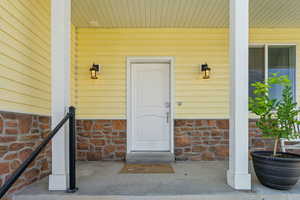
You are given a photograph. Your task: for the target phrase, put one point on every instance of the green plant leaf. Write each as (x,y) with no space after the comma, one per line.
(278,118)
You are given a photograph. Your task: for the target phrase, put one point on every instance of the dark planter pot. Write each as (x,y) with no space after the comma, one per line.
(280,173)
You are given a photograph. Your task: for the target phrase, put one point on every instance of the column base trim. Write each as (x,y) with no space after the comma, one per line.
(239,181)
(58,182)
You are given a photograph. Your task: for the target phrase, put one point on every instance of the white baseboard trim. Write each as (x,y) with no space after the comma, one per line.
(239,181)
(58,182)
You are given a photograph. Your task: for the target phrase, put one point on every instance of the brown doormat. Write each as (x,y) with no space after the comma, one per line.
(147,169)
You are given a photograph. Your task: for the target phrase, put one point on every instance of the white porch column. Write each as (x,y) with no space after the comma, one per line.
(60,66)
(238,175)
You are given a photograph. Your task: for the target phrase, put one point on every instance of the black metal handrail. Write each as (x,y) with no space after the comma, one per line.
(72,154)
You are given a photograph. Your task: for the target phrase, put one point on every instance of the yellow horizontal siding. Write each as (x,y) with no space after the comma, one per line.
(106,97)
(25,63)
(25,56)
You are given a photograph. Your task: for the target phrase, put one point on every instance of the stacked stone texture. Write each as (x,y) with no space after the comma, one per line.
(194,139)
(209,139)
(98,140)
(20,134)
(101,140)
(256,141)
(201,139)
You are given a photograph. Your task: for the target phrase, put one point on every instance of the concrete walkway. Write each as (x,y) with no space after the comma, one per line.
(192,180)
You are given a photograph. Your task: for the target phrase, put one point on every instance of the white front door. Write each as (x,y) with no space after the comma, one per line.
(151,107)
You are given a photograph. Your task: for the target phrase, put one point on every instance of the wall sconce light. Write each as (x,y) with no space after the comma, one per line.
(94,69)
(206,70)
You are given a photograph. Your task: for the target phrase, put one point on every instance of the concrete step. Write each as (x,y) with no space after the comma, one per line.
(224,196)
(150,157)
(191,181)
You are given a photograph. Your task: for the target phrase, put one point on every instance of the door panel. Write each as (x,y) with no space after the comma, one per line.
(151,97)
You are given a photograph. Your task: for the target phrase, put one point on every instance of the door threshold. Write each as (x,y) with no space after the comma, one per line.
(150,157)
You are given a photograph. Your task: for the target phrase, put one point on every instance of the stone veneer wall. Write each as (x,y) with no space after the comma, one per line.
(19,135)
(201,139)
(256,142)
(209,139)
(101,140)
(194,139)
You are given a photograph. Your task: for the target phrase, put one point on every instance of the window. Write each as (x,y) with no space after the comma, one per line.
(268,59)
(256,66)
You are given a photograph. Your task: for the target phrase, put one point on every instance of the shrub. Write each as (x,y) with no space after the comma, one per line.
(277,117)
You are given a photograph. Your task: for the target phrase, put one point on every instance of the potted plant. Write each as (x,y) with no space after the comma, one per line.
(277,119)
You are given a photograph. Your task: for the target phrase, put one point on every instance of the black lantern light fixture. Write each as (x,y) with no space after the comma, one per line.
(94,69)
(206,70)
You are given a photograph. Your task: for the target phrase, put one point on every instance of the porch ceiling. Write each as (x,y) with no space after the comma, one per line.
(180,13)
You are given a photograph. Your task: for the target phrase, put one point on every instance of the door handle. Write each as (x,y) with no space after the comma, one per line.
(168,117)
(167,104)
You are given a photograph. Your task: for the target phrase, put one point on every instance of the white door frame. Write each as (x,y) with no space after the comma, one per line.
(130,122)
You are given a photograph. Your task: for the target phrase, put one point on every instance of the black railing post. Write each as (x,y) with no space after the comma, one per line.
(72,151)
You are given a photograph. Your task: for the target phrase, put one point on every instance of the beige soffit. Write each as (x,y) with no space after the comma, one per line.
(180,13)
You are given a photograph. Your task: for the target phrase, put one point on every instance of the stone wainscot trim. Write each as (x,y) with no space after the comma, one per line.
(20,134)
(198,139)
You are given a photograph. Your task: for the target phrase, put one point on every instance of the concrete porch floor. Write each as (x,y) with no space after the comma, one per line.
(191,180)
